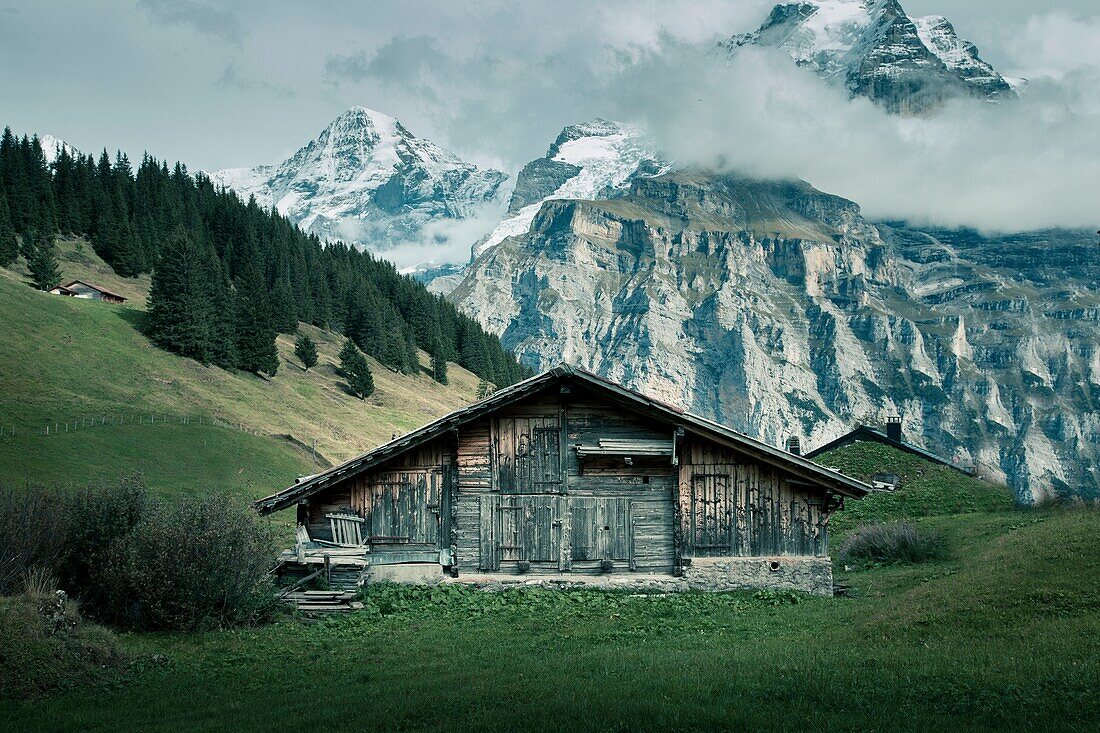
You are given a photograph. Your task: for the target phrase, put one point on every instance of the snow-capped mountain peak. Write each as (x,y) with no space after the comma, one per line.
(590,160)
(52,147)
(367,180)
(909,65)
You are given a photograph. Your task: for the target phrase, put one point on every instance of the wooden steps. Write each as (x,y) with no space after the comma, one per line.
(323,601)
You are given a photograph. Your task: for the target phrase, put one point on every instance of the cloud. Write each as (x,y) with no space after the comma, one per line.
(441,241)
(1023,165)
(403,60)
(202,18)
(497,81)
(1051,45)
(1013,166)
(231,80)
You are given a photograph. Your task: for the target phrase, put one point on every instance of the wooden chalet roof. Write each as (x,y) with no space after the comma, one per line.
(864,432)
(93,286)
(564,375)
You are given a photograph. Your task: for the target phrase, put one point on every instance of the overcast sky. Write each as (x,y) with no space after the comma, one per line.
(217,84)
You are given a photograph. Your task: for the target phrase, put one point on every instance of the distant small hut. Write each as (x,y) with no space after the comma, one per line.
(892,436)
(569,476)
(88,291)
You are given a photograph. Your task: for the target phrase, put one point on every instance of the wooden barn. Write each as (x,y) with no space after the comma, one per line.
(88,291)
(568,477)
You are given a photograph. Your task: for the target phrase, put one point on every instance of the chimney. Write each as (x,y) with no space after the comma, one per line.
(893,428)
(794,445)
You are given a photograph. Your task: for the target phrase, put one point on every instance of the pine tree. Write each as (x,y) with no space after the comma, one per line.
(9,246)
(439,362)
(42,263)
(283,310)
(254,333)
(128,257)
(347,354)
(355,369)
(188,302)
(484,388)
(306,351)
(412,356)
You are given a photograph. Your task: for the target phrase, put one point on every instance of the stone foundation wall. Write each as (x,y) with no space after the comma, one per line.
(806,574)
(712,574)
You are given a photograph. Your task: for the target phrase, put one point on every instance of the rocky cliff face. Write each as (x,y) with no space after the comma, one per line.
(779,310)
(368,181)
(908,65)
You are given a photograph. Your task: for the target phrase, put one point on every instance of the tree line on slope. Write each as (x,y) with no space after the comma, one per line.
(227,274)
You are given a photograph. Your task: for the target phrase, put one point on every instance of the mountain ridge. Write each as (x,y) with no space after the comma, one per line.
(368,181)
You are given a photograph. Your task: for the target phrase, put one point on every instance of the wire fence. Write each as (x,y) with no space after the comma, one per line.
(52,428)
(58,427)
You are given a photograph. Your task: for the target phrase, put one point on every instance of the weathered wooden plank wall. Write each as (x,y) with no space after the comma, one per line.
(733,506)
(402,499)
(534,503)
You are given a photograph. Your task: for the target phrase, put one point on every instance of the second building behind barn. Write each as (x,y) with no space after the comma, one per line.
(569,474)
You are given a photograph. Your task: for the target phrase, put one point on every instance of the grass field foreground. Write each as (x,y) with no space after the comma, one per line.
(1003,634)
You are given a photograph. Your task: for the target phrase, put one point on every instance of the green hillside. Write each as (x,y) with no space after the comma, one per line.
(926,488)
(69,360)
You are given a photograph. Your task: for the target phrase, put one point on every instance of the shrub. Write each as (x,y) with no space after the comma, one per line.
(196,564)
(890,543)
(45,645)
(98,516)
(32,530)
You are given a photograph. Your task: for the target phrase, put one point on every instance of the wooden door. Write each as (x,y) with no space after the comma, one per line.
(530,530)
(601,529)
(712,515)
(405,505)
(527,453)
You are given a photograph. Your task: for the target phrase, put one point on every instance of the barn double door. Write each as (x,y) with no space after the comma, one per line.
(531,522)
(555,533)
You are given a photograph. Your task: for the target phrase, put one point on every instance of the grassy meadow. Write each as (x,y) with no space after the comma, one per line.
(1003,634)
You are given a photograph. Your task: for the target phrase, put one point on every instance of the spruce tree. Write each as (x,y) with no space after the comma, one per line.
(188,303)
(347,354)
(42,263)
(355,369)
(306,351)
(128,259)
(439,362)
(484,388)
(255,332)
(412,356)
(9,246)
(283,308)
